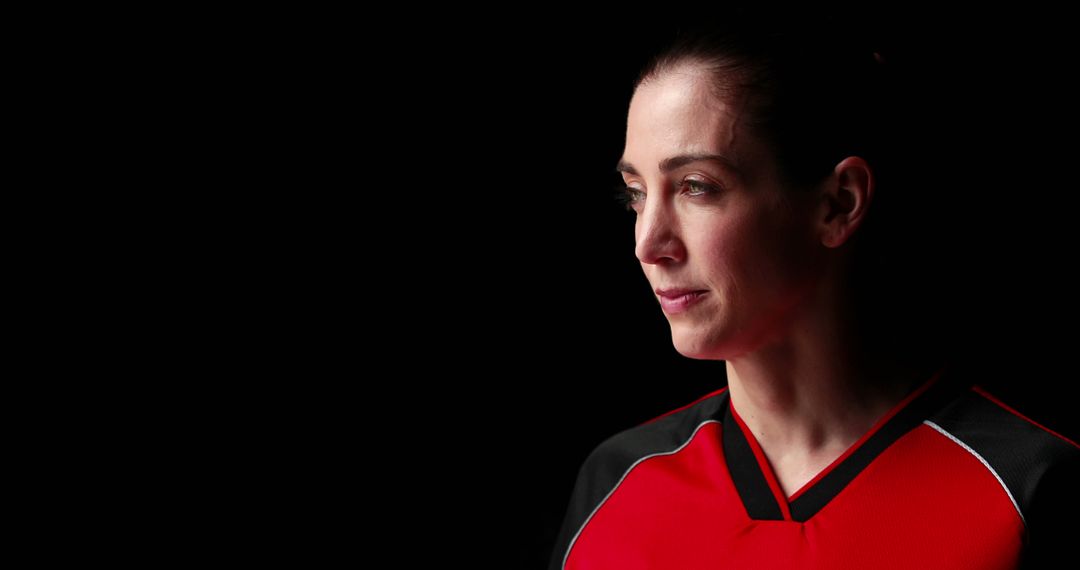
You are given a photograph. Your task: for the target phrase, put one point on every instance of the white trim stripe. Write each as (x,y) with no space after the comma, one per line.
(613,489)
(984,462)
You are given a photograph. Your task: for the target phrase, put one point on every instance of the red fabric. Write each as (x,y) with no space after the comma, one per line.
(924,503)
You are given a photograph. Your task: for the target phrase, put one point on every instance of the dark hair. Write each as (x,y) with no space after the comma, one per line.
(815,87)
(818,87)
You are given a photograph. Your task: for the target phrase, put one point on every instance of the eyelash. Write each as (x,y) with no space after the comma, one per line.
(626,196)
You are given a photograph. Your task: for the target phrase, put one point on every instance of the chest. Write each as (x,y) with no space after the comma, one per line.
(917,504)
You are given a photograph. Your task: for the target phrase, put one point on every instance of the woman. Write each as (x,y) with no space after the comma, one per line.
(757,161)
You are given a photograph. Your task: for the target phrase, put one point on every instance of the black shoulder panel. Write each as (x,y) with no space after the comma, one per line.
(1023,455)
(612,459)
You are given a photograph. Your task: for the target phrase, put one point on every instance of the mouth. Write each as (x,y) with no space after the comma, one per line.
(675,301)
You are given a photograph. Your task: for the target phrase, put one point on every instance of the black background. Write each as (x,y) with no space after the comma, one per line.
(363,261)
(485,279)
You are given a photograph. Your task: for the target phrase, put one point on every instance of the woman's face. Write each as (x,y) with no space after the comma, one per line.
(723,226)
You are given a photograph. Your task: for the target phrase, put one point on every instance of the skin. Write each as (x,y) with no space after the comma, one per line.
(775,264)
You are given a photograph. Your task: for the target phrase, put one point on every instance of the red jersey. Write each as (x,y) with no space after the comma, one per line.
(950,478)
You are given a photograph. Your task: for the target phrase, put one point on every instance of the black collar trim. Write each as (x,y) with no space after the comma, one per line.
(763,503)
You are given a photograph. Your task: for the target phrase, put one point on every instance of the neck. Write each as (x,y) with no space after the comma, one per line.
(808,396)
(807,407)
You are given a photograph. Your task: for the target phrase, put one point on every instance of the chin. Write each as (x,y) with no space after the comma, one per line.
(694,346)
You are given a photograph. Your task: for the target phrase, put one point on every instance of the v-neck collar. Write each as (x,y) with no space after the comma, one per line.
(757,485)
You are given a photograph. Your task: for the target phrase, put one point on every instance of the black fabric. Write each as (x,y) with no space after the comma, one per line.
(1053,514)
(750,482)
(1020,452)
(611,459)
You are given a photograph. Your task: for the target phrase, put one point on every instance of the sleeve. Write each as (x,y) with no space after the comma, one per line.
(1053,519)
(608,463)
(584,499)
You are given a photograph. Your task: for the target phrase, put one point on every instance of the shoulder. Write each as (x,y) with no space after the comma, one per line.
(666,433)
(1026,457)
(609,461)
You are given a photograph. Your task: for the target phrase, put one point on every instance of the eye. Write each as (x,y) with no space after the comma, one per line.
(628,197)
(701,187)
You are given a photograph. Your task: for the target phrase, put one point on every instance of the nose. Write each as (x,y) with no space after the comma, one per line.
(656,234)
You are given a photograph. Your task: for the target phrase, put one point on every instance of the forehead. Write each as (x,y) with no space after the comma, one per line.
(677,113)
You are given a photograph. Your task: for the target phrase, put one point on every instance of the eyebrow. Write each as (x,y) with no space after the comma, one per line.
(669,164)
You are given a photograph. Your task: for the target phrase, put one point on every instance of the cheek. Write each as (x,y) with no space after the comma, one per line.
(748,256)
(730,245)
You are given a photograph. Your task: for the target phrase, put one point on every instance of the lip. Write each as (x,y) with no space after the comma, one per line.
(676,291)
(675,301)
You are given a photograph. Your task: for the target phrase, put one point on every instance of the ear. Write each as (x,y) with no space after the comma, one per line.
(844,199)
